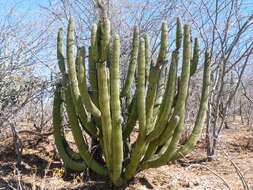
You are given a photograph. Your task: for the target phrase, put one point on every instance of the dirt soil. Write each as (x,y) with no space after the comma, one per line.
(42,169)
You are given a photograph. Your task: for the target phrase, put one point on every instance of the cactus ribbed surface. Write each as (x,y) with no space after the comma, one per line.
(149,101)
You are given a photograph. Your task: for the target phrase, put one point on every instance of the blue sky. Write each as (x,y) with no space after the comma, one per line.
(21,6)
(28,9)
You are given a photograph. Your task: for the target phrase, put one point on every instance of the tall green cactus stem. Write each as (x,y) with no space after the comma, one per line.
(85,97)
(179,34)
(151,96)
(147,56)
(126,91)
(152,105)
(141,107)
(163,46)
(60,54)
(59,134)
(162,67)
(93,57)
(117,143)
(195,59)
(73,78)
(103,46)
(103,90)
(199,123)
(73,114)
(180,104)
(168,97)
(131,121)
(165,111)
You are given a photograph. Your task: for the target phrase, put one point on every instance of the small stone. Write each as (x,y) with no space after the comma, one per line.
(187,184)
(195,183)
(142,188)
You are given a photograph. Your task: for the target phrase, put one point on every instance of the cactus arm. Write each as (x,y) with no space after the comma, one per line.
(92,69)
(165,112)
(58,133)
(104,97)
(93,78)
(117,142)
(167,102)
(166,134)
(179,38)
(161,150)
(69,100)
(61,64)
(147,56)
(180,104)
(93,58)
(151,96)
(94,44)
(105,33)
(137,152)
(160,64)
(126,90)
(74,155)
(78,137)
(182,95)
(77,132)
(102,40)
(179,34)
(60,54)
(151,149)
(163,45)
(141,90)
(195,59)
(131,122)
(104,105)
(89,105)
(165,109)
(199,123)
(81,145)
(160,86)
(73,80)
(191,51)
(169,130)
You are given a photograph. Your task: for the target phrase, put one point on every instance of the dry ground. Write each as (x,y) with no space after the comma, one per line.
(41,169)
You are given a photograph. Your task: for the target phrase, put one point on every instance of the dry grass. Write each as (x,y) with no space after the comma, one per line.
(41,168)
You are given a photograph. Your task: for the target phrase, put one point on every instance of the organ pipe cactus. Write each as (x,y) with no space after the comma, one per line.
(97,106)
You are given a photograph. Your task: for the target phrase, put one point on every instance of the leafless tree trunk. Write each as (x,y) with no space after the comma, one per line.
(224,27)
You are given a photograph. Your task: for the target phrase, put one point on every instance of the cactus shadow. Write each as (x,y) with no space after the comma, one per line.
(146,183)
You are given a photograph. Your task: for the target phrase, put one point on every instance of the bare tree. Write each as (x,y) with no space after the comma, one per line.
(224,26)
(246,102)
(24,53)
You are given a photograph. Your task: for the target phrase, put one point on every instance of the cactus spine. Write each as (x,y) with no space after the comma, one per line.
(97,107)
